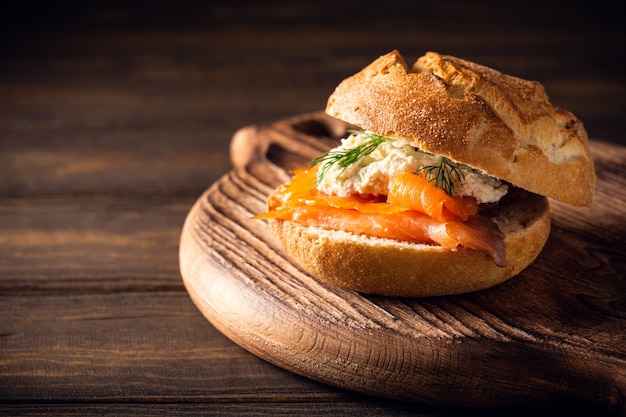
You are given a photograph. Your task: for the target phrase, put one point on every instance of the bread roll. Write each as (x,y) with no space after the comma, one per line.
(473,115)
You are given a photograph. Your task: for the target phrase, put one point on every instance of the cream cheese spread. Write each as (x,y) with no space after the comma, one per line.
(370,174)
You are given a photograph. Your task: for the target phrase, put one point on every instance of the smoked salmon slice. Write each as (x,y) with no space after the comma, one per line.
(407,226)
(410,214)
(417,193)
(301,191)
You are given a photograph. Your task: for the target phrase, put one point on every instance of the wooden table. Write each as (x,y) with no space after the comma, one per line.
(114,119)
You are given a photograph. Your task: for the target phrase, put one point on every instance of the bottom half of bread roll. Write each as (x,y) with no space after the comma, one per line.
(395,268)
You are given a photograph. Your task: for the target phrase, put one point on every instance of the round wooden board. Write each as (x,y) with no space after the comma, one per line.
(554,333)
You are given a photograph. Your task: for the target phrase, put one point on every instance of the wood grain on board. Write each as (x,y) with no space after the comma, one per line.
(553,333)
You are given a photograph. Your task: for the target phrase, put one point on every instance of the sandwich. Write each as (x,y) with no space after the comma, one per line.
(441,184)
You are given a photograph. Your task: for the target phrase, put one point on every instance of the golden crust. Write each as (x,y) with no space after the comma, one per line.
(387,267)
(502,125)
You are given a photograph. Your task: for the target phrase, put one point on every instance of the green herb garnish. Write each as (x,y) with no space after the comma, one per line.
(443,175)
(347,157)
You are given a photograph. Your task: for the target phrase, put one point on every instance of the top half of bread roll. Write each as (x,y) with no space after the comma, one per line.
(475,115)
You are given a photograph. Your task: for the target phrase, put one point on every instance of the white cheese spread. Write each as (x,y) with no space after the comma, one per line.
(370,174)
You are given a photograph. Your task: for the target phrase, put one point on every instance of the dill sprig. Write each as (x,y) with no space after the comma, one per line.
(345,158)
(443,175)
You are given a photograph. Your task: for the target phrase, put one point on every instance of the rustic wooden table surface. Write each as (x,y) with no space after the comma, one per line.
(116,116)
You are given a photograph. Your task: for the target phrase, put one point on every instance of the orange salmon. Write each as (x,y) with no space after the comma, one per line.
(449,224)
(415,192)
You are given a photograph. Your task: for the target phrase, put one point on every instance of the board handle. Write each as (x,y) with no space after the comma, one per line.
(290,144)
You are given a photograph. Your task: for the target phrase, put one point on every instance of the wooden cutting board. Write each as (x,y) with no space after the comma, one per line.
(555,333)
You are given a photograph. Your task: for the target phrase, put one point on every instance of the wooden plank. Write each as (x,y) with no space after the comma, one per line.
(361,407)
(104,171)
(130,347)
(90,244)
